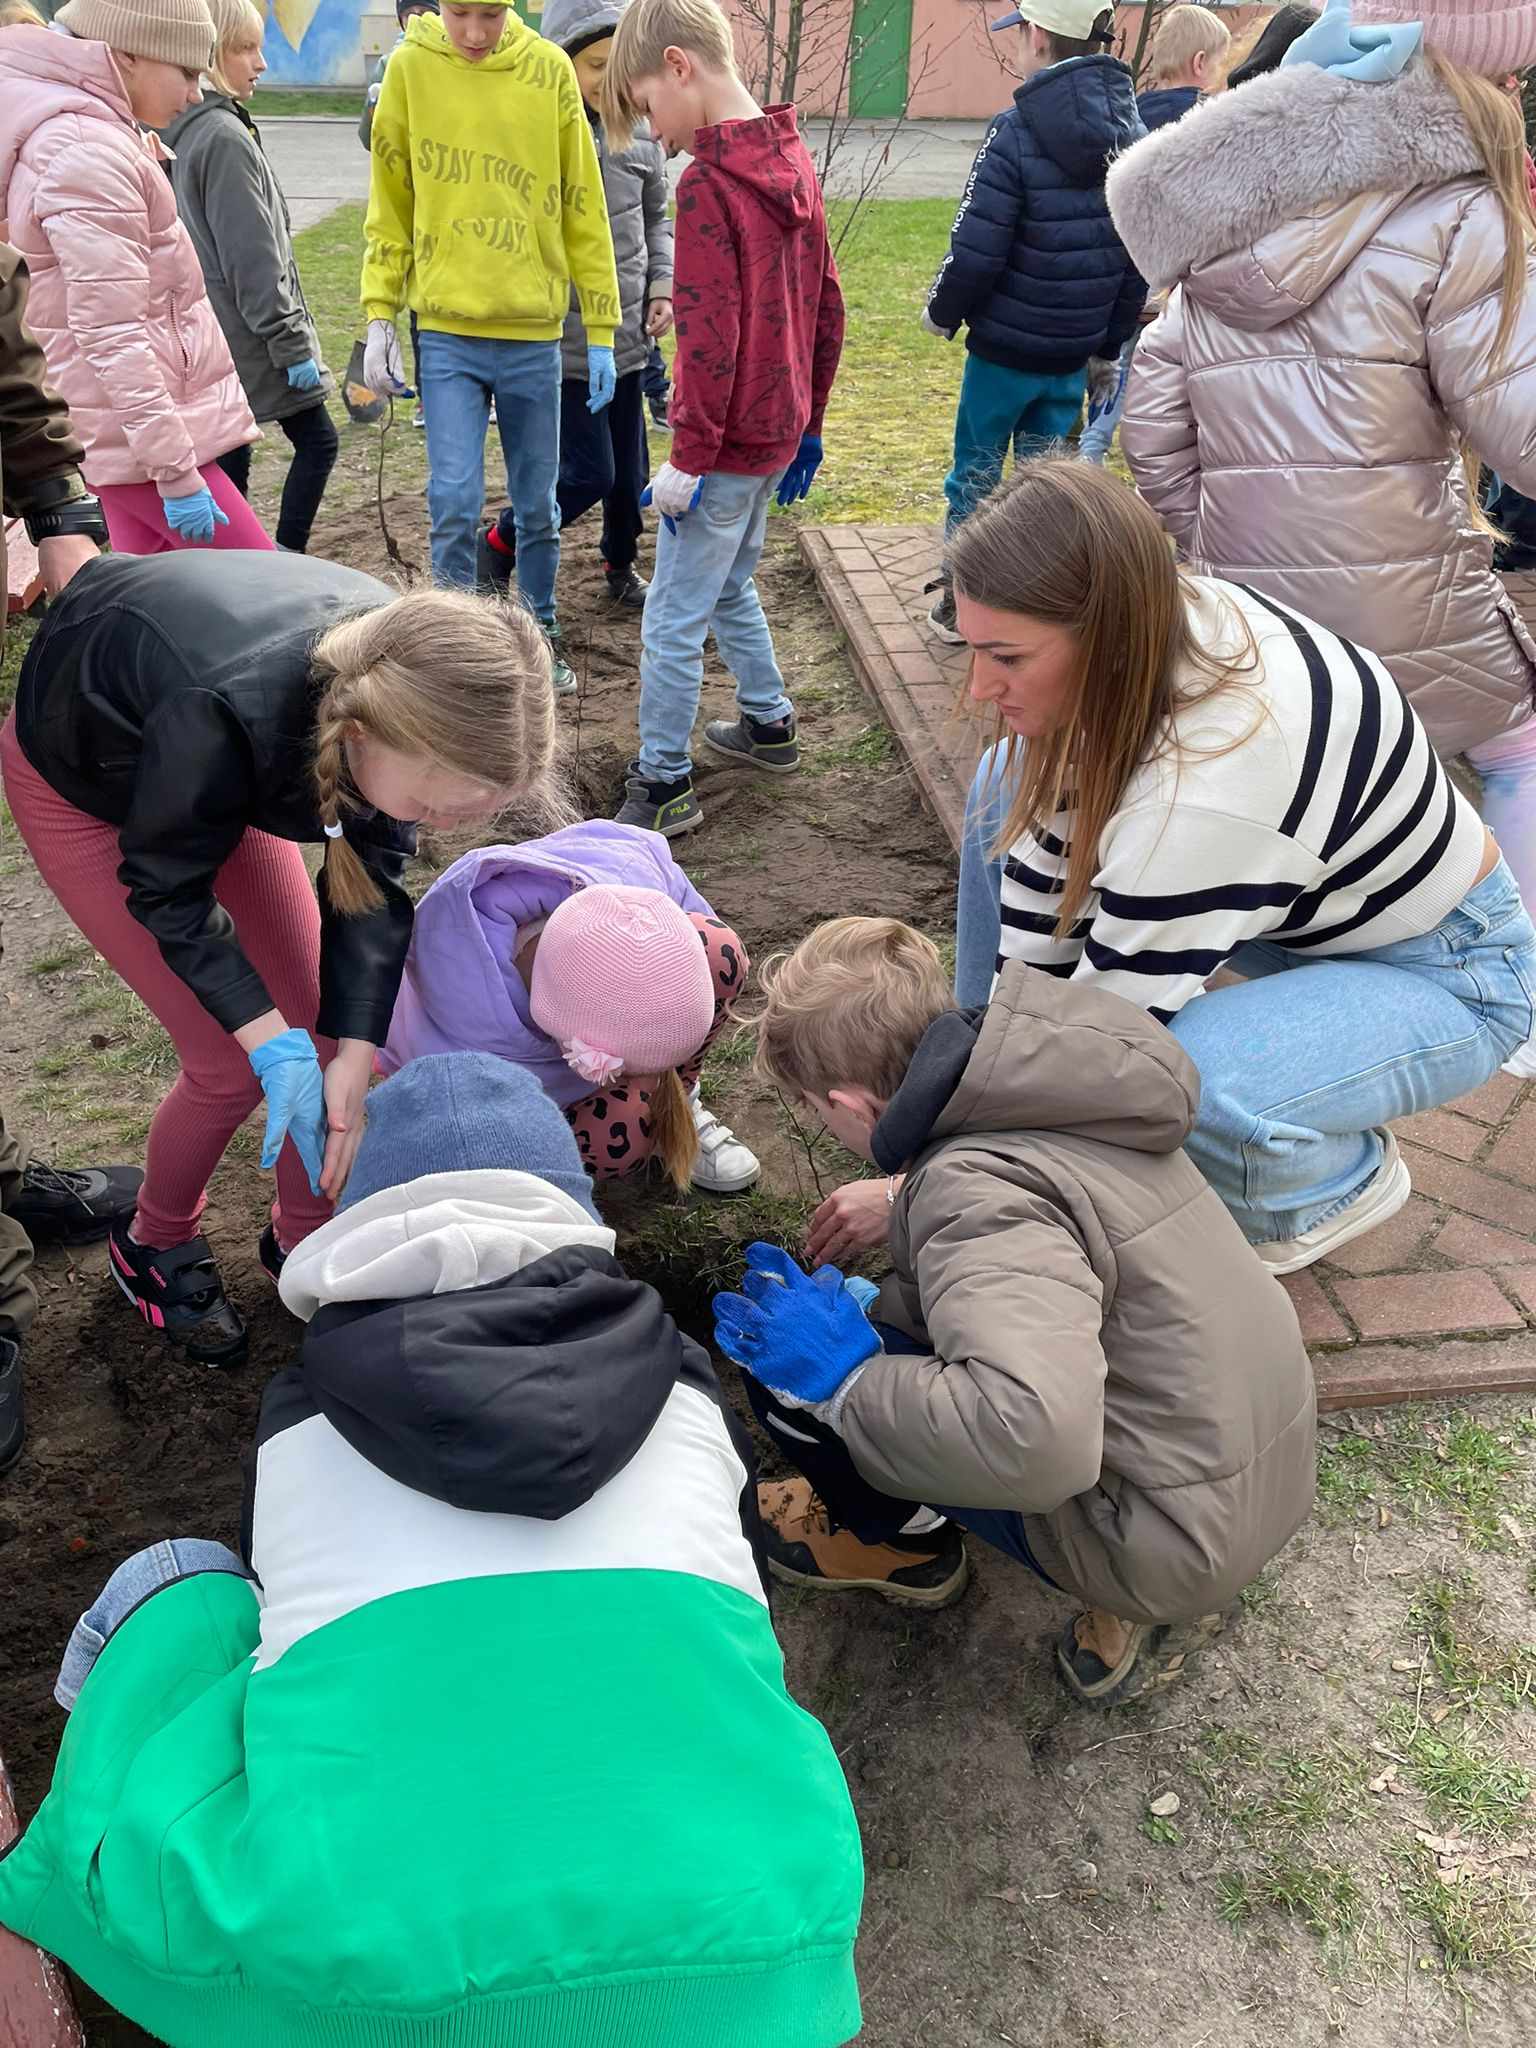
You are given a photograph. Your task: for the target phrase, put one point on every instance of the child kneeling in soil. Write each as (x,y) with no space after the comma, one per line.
(472,1745)
(1077,1356)
(589,958)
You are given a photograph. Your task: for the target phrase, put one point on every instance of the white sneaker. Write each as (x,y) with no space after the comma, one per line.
(1381,1197)
(1522,1062)
(724,1166)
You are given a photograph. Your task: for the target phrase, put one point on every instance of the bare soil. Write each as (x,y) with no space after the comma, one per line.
(1019,1888)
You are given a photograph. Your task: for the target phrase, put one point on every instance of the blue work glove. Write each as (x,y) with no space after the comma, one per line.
(804,1336)
(602,377)
(288,1069)
(796,480)
(304,376)
(195,516)
(673,492)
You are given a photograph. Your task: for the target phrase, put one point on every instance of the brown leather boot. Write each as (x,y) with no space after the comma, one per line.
(1105,1660)
(805,1548)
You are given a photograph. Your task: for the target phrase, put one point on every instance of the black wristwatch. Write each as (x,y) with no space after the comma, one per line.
(60,506)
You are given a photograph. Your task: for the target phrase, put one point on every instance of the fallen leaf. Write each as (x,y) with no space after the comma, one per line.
(1514,1530)
(1165,1806)
(1438,1714)
(1406,1664)
(1383,1518)
(1385,1782)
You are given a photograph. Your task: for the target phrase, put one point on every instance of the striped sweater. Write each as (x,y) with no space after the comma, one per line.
(1302,804)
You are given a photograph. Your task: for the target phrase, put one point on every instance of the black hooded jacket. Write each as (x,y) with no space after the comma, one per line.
(172,696)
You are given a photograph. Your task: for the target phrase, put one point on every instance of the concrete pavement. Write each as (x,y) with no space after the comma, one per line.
(322,165)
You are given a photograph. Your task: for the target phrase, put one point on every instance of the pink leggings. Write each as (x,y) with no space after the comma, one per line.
(266,890)
(136,520)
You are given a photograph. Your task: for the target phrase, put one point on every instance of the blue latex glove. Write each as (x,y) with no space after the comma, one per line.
(602,378)
(796,480)
(802,1335)
(288,1069)
(1369,54)
(304,376)
(647,496)
(195,516)
(864,1292)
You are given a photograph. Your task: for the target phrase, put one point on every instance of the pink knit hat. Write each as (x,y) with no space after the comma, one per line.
(622,983)
(1489,39)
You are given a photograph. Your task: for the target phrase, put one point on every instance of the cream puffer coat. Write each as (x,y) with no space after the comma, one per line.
(118,300)
(1297,414)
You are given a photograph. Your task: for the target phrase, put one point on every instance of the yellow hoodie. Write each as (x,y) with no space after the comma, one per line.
(485,202)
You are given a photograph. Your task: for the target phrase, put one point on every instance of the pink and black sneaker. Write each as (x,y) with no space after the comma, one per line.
(177,1290)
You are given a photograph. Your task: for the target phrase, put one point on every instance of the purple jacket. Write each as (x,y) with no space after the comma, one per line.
(462,991)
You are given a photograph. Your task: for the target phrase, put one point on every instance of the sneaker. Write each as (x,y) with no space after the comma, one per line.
(1381,1197)
(58,1205)
(724,1166)
(271,1255)
(419,419)
(670,808)
(562,676)
(495,562)
(626,587)
(749,744)
(1104,1667)
(942,616)
(1522,1062)
(805,1548)
(13,1414)
(177,1289)
(657,408)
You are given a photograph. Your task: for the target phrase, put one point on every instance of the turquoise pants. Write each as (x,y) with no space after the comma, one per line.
(999,408)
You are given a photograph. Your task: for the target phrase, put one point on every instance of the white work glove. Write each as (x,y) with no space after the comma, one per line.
(931,326)
(383,365)
(674,491)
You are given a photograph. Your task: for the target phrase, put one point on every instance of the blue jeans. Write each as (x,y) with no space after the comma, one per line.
(1301,1063)
(460,375)
(1098,435)
(1001,408)
(703,584)
(129,1587)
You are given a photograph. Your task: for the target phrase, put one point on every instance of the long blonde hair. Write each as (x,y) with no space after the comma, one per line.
(459,681)
(674,1134)
(1067,544)
(1497,129)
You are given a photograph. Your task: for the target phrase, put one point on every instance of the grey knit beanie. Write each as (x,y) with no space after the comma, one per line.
(579,21)
(173,31)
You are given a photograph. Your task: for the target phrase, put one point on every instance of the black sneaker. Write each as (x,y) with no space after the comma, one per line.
(177,1289)
(271,1254)
(626,587)
(58,1205)
(807,1548)
(494,566)
(749,744)
(670,808)
(657,408)
(942,616)
(13,1414)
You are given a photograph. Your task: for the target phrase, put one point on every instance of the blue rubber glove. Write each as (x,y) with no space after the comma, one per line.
(804,1336)
(195,516)
(864,1292)
(602,378)
(796,480)
(304,376)
(288,1069)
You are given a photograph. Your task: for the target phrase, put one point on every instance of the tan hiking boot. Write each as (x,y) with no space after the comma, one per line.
(1105,1660)
(806,1549)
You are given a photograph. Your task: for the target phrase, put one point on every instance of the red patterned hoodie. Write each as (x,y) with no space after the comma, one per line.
(759,309)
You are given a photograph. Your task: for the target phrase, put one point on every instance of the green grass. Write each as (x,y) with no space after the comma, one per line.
(1480,1927)
(889,430)
(1421,1464)
(269,103)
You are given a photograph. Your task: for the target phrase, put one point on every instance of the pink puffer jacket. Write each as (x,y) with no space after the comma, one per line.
(1297,415)
(117,299)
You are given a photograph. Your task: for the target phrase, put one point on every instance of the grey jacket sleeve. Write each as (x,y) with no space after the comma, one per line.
(1008,1412)
(1157,427)
(370,101)
(239,222)
(658,229)
(1489,393)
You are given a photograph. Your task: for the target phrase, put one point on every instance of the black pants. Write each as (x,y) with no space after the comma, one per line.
(312,434)
(654,381)
(603,459)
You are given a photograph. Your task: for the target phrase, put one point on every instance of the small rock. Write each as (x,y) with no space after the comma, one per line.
(871,1769)
(1164,1806)
(1084,1872)
(893,1859)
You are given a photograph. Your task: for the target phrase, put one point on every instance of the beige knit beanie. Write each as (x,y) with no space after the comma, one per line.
(174,31)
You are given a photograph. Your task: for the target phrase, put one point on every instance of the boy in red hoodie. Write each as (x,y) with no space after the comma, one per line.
(759,332)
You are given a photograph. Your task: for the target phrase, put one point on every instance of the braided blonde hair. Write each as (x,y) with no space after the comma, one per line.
(462,682)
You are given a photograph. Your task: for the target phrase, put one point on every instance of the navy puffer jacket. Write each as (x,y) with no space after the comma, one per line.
(1035,269)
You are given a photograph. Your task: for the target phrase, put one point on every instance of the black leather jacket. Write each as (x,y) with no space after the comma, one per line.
(171,695)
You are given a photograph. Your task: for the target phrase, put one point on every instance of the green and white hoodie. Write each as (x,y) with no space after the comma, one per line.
(497,1752)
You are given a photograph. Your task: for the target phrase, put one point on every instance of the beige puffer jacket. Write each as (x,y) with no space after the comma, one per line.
(1296,415)
(1109,1357)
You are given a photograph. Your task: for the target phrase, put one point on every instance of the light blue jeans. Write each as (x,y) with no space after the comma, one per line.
(129,1587)
(1301,1063)
(1097,437)
(703,584)
(460,375)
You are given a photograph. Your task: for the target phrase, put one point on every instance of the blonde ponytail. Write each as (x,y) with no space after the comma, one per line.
(458,681)
(1498,133)
(674,1136)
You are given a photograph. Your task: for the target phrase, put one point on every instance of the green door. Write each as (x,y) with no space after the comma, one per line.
(882,46)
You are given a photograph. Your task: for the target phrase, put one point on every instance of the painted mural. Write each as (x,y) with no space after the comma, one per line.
(332,42)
